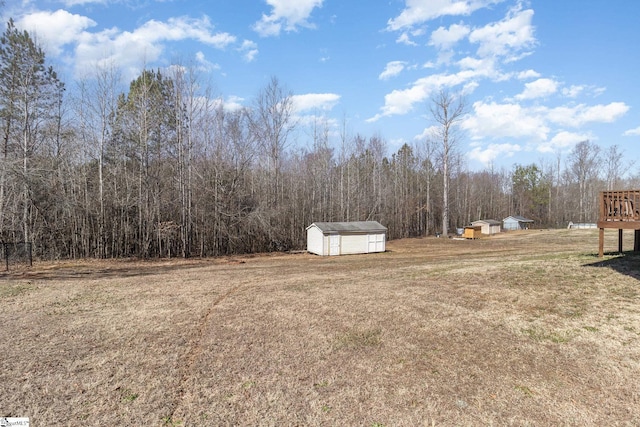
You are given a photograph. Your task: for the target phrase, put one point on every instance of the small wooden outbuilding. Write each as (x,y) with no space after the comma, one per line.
(472,232)
(489,226)
(342,238)
(516,222)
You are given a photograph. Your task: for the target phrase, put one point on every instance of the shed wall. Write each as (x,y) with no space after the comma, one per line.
(354,244)
(511,224)
(377,242)
(316,242)
(491,229)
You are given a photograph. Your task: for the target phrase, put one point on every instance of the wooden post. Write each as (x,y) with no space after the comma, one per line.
(601,243)
(636,240)
(619,240)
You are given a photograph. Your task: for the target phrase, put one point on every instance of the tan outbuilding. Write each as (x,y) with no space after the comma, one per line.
(489,226)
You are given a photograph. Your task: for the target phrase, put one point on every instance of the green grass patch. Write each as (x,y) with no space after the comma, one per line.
(129,396)
(538,334)
(524,390)
(8,290)
(359,339)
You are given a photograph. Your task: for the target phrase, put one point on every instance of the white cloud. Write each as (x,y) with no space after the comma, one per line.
(485,67)
(401,101)
(70,3)
(505,40)
(204,63)
(443,38)
(232,103)
(603,113)
(313,123)
(392,69)
(419,11)
(55,29)
(493,151)
(404,39)
(509,38)
(445,57)
(528,74)
(632,132)
(538,89)
(469,88)
(572,91)
(492,120)
(563,140)
(180,29)
(287,15)
(581,114)
(311,101)
(495,121)
(129,49)
(249,50)
(427,133)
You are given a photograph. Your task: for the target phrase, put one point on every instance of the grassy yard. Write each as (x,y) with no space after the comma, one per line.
(527,328)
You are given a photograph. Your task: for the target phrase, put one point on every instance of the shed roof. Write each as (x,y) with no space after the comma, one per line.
(518,218)
(350,227)
(486,221)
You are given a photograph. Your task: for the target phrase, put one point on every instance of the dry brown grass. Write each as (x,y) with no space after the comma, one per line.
(522,329)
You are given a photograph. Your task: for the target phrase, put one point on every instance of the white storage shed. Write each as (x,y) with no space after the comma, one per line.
(489,226)
(516,222)
(342,238)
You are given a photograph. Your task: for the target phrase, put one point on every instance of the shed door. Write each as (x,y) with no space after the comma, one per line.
(376,243)
(334,244)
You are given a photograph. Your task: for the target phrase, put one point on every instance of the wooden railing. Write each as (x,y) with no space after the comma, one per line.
(620,205)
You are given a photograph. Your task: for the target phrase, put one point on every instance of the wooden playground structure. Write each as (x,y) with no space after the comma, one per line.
(619,210)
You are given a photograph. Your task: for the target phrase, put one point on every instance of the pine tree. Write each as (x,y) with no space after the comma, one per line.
(29,93)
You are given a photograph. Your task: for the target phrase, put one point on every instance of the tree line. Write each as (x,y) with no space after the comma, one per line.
(163,169)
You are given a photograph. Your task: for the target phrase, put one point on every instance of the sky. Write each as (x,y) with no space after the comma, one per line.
(536,76)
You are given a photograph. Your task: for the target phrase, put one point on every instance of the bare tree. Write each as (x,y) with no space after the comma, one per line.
(426,156)
(189,108)
(447,111)
(343,165)
(272,122)
(584,166)
(613,161)
(96,110)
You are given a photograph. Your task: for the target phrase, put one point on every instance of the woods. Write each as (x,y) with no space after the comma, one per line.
(165,169)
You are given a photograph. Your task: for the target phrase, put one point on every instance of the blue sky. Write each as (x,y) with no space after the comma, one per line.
(538,76)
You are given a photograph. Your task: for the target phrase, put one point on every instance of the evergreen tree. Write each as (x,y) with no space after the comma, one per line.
(29,95)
